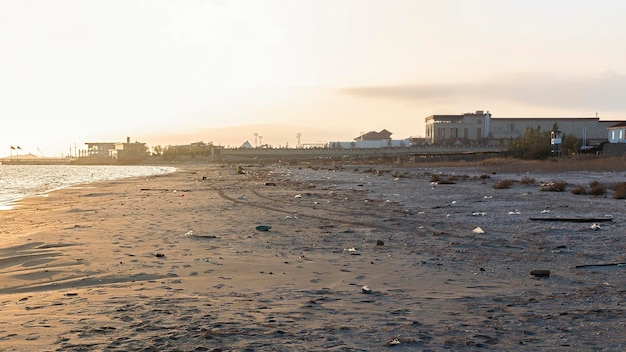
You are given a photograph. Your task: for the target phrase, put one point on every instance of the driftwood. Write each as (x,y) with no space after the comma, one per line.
(572,219)
(602,264)
(540,273)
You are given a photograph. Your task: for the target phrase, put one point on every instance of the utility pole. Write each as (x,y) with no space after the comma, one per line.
(298,135)
(256,135)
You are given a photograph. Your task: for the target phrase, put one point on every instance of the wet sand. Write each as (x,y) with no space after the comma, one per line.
(356,259)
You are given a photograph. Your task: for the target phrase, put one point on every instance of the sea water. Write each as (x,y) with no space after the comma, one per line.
(22,181)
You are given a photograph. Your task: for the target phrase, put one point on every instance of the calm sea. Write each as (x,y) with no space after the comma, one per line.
(22,181)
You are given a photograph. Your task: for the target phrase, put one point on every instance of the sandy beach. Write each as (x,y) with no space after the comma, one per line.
(358,258)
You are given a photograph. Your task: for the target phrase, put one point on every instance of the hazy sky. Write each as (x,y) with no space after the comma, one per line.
(175,72)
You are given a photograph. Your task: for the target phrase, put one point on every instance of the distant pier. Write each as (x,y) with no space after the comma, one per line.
(36,161)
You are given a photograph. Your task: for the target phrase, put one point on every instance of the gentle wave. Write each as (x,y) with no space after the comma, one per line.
(22,181)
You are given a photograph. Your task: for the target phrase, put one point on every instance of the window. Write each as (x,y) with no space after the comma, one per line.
(466,133)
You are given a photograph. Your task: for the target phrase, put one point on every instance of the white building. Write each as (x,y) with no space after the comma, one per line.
(481,126)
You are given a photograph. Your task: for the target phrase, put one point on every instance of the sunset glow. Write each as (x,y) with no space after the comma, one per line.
(175,72)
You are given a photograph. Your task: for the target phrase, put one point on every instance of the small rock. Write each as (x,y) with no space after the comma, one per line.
(366,290)
(160,255)
(380,242)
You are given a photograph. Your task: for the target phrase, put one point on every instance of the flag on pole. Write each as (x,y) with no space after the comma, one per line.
(18,147)
(12,147)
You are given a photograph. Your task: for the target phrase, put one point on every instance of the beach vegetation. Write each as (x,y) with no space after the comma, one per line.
(579,189)
(435,178)
(620,191)
(597,189)
(533,144)
(503,184)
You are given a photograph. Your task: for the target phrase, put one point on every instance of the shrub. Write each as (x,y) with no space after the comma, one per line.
(597,189)
(620,191)
(435,178)
(484,176)
(399,175)
(579,190)
(527,180)
(447,181)
(502,184)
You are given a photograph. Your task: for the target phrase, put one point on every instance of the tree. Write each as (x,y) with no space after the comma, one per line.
(157,150)
(570,145)
(534,144)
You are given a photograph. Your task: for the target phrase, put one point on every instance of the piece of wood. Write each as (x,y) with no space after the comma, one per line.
(572,219)
(602,264)
(540,273)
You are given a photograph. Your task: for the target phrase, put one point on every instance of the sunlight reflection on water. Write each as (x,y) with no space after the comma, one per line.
(21,181)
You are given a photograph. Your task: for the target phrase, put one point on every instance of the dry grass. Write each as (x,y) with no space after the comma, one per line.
(503,184)
(620,191)
(597,189)
(397,174)
(447,181)
(435,178)
(578,163)
(579,190)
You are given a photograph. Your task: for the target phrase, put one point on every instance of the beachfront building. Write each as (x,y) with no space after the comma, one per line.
(481,127)
(468,128)
(372,139)
(112,152)
(128,152)
(97,149)
(617,133)
(589,129)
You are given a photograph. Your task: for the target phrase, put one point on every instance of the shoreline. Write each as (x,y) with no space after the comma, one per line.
(53,178)
(174,262)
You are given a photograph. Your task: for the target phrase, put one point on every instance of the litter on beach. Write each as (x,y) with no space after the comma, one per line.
(478,230)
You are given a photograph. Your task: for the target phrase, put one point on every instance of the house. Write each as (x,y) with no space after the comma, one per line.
(374,136)
(617,133)
(372,139)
